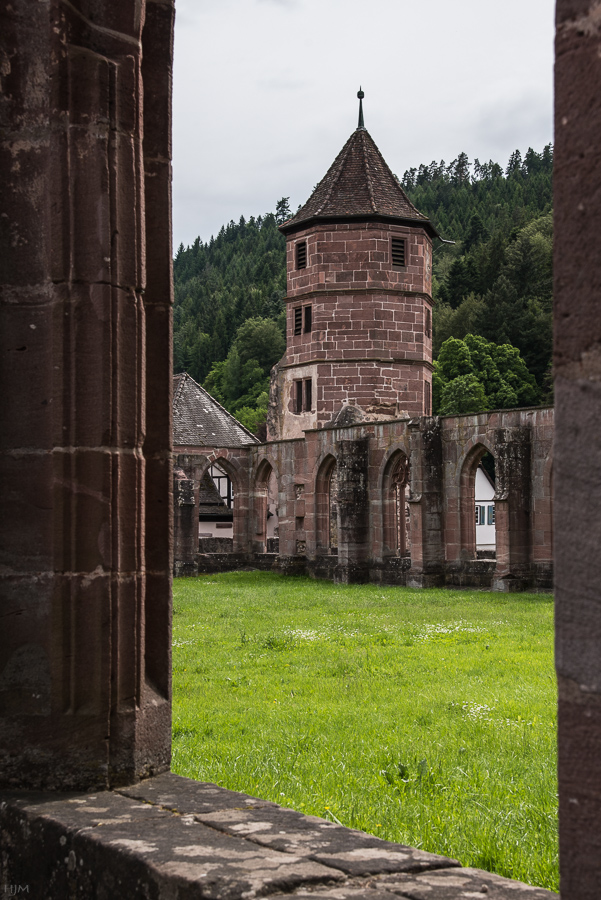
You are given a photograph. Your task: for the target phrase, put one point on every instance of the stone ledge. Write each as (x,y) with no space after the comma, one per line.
(444,884)
(170,838)
(284,830)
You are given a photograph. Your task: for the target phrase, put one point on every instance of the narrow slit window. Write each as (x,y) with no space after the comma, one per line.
(398,253)
(428,323)
(308,325)
(298,403)
(298,320)
(427,398)
(308,394)
(301,255)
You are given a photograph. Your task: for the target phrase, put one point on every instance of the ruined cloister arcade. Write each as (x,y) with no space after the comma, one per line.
(87,536)
(391,501)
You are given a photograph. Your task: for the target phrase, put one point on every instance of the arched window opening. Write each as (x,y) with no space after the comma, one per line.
(223,483)
(397,536)
(478,514)
(484,494)
(326,501)
(273,534)
(265,537)
(215,505)
(216,516)
(333,510)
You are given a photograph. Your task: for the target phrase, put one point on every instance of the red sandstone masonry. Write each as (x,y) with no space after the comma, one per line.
(577,275)
(440,543)
(94,589)
(365,249)
(98,653)
(338,317)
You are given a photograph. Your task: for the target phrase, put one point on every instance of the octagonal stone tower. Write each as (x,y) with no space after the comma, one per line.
(359,304)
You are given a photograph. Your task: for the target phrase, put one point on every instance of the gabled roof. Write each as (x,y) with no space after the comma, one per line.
(210,501)
(358,184)
(208,495)
(198,420)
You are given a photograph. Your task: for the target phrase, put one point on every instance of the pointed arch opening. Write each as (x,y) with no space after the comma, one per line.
(265,520)
(218,528)
(397,536)
(478,514)
(326,507)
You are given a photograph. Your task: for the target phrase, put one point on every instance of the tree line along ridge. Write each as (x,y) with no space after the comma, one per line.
(493,284)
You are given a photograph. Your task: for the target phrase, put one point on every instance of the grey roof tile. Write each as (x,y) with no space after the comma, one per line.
(199,420)
(359,183)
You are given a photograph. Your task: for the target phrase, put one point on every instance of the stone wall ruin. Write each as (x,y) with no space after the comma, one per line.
(86,487)
(439,457)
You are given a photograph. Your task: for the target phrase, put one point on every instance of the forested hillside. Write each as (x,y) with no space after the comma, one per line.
(238,275)
(494,281)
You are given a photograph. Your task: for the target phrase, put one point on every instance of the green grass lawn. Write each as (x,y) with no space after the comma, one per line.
(426,717)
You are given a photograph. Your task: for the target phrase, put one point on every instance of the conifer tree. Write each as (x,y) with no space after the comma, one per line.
(494,281)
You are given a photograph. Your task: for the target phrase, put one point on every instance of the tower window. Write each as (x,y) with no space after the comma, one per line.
(398,253)
(427,399)
(301,255)
(428,322)
(298,400)
(298,320)
(308,325)
(303,395)
(308,394)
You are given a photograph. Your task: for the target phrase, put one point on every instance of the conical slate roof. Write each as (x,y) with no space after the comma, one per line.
(358,184)
(198,420)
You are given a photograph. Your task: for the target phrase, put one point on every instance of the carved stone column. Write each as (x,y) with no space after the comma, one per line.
(86,328)
(577,363)
(185,525)
(512,509)
(425,502)
(353,510)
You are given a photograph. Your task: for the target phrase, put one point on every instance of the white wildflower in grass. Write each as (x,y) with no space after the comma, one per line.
(477,712)
(298,634)
(433,630)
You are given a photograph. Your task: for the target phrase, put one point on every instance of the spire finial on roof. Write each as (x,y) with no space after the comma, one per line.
(360,95)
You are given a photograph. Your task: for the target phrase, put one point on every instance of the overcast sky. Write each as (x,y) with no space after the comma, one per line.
(265,92)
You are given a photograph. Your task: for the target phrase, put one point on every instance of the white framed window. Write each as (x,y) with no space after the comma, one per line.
(480,515)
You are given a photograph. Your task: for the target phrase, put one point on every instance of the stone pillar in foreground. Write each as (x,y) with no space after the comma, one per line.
(577,480)
(85,322)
